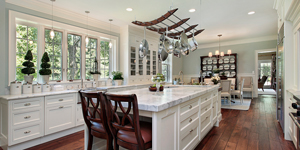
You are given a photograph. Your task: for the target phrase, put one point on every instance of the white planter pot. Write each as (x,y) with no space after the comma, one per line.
(46,88)
(15,89)
(28,78)
(216,74)
(175,82)
(96,77)
(118,82)
(45,79)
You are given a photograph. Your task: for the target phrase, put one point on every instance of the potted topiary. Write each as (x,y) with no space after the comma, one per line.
(28,70)
(216,72)
(117,77)
(45,71)
(95,73)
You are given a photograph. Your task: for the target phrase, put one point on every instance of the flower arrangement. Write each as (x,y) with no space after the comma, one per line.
(158,78)
(117,75)
(215,79)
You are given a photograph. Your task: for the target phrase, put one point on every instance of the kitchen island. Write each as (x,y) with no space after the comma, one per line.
(181,116)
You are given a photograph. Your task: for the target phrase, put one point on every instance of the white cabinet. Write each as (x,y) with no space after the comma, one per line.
(79,116)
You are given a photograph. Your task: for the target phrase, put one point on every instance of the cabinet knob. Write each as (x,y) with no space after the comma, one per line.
(190,107)
(206,118)
(190,120)
(61,107)
(27,104)
(205,109)
(61,99)
(205,98)
(191,130)
(290,98)
(27,117)
(27,132)
(213,107)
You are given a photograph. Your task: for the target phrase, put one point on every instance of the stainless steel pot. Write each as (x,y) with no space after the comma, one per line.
(144,46)
(177,52)
(184,40)
(193,43)
(162,54)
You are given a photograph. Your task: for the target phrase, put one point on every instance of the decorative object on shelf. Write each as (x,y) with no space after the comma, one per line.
(52,34)
(152,88)
(28,70)
(47,88)
(221,67)
(226,67)
(87,24)
(227,73)
(37,88)
(204,62)
(209,61)
(233,73)
(215,67)
(144,47)
(27,88)
(215,79)
(215,61)
(232,67)
(209,67)
(45,71)
(204,74)
(95,71)
(110,44)
(221,61)
(117,77)
(226,60)
(232,60)
(158,78)
(216,72)
(15,88)
(204,68)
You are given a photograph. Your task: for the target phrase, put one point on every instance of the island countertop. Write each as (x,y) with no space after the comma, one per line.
(172,96)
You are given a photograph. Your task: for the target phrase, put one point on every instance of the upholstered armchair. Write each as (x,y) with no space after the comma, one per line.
(262,82)
(248,84)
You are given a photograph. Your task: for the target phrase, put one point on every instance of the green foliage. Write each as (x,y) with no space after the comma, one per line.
(117,75)
(266,70)
(45,65)
(158,78)
(223,73)
(216,71)
(27,64)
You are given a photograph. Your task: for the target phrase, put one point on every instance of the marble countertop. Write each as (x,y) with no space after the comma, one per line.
(14,97)
(295,93)
(158,101)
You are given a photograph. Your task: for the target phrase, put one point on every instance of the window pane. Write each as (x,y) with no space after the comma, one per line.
(21,31)
(104,59)
(74,57)
(54,50)
(32,33)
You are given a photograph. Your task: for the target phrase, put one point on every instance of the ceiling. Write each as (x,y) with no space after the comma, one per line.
(227,17)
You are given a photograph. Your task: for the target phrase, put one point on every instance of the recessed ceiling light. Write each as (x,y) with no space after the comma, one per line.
(129,9)
(192,10)
(251,12)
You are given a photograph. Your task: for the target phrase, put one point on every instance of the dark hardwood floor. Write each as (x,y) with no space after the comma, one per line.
(256,128)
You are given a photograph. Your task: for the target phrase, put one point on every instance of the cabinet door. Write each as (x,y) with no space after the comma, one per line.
(148,63)
(132,65)
(215,112)
(59,118)
(79,116)
(154,62)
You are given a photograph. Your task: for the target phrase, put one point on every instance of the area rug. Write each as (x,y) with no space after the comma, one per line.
(237,105)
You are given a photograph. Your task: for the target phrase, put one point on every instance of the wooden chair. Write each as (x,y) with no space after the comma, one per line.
(127,131)
(226,89)
(262,82)
(248,84)
(239,92)
(95,117)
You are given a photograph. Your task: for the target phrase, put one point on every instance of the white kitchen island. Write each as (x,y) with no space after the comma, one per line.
(181,115)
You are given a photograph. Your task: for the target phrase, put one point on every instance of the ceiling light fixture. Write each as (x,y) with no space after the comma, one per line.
(110,44)
(87,28)
(52,32)
(192,10)
(129,9)
(251,12)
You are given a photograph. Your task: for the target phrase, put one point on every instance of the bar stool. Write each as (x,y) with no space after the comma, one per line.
(127,131)
(95,118)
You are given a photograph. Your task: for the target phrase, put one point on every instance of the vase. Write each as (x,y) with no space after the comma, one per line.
(28,78)
(175,82)
(45,79)
(118,82)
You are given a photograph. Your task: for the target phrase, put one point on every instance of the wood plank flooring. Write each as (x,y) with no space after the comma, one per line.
(255,129)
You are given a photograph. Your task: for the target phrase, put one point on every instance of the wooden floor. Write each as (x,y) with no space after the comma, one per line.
(256,128)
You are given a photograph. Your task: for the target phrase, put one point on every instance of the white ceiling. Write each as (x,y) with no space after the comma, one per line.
(227,17)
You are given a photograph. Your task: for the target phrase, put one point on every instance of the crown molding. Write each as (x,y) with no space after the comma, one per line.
(236,42)
(62,13)
(293,12)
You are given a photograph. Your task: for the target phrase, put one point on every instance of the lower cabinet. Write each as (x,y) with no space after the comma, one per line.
(293,131)
(59,118)
(79,116)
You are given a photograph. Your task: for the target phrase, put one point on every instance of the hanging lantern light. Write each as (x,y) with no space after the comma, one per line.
(110,43)
(52,31)
(87,30)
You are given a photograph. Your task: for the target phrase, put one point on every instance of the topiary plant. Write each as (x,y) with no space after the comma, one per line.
(28,64)
(45,65)
(117,75)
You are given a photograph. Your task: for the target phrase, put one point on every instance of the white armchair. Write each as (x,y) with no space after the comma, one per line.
(226,90)
(248,84)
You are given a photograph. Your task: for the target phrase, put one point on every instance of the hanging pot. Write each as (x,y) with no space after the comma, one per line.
(183,39)
(144,47)
(162,54)
(193,43)
(177,49)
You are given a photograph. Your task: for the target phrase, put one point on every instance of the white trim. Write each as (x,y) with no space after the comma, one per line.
(236,42)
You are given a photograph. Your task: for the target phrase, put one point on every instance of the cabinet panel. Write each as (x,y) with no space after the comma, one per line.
(189,135)
(26,133)
(60,99)
(133,55)
(79,115)
(154,62)
(27,103)
(59,118)
(27,117)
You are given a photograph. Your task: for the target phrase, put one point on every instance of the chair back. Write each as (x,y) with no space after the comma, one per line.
(194,80)
(226,86)
(248,81)
(93,108)
(242,85)
(264,79)
(127,123)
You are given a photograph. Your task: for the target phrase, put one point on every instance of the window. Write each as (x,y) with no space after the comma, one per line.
(54,50)
(265,70)
(90,55)
(26,39)
(166,68)
(74,57)
(104,59)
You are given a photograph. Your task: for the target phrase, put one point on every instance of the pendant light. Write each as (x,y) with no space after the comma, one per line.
(52,31)
(87,30)
(110,44)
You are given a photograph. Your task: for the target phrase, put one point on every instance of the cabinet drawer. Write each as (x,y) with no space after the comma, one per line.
(27,117)
(188,106)
(188,120)
(60,99)
(27,133)
(189,135)
(215,98)
(205,106)
(27,103)
(205,119)
(205,97)
(204,131)
(215,93)
(59,118)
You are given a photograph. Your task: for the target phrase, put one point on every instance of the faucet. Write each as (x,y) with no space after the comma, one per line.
(201,77)
(181,73)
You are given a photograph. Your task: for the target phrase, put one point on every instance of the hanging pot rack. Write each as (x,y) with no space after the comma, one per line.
(155,27)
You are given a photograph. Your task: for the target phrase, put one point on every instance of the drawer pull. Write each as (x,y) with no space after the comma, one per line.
(190,120)
(190,107)
(205,98)
(191,130)
(27,117)
(27,104)
(27,132)
(213,107)
(205,109)
(290,98)
(61,107)
(206,117)
(61,99)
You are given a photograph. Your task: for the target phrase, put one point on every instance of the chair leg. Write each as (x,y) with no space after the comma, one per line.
(116,146)
(109,143)
(229,98)
(90,142)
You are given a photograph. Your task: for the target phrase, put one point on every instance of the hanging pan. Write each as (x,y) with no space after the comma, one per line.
(177,49)
(193,43)
(144,47)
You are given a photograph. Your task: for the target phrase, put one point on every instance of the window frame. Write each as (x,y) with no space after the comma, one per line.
(109,58)
(97,53)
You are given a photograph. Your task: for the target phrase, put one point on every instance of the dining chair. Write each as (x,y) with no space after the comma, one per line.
(95,117)
(226,89)
(239,92)
(248,84)
(232,83)
(127,131)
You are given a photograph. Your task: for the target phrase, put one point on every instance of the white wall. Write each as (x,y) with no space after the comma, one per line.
(3,48)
